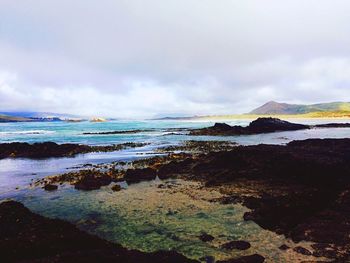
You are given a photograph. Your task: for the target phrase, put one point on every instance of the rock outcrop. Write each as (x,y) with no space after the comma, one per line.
(260,125)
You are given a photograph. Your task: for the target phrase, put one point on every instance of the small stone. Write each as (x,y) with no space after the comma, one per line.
(116,188)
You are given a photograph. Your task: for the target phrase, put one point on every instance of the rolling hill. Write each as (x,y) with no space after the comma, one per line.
(273,107)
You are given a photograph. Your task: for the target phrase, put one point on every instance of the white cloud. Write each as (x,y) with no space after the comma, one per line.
(136,58)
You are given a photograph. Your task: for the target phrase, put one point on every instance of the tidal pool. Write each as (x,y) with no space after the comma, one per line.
(162,215)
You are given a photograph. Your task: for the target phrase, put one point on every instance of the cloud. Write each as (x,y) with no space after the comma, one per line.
(131,58)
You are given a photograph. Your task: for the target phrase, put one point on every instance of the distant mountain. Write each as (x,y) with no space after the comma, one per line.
(5,118)
(24,116)
(273,107)
(38,115)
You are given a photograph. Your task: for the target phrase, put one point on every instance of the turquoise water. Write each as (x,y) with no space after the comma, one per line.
(19,172)
(160,132)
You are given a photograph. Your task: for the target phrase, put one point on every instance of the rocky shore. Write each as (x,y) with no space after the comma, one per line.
(260,125)
(51,149)
(300,190)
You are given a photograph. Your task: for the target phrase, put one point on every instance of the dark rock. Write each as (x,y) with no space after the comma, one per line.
(208,259)
(206,237)
(138,175)
(324,250)
(302,250)
(50,187)
(92,182)
(283,247)
(255,258)
(265,125)
(51,149)
(28,237)
(240,245)
(116,188)
(333,125)
(260,125)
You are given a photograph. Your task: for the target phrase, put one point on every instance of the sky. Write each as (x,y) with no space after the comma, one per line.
(147,58)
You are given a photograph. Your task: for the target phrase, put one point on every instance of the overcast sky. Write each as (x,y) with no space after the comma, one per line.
(143,58)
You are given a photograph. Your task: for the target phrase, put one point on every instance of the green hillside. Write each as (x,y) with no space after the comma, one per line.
(273,107)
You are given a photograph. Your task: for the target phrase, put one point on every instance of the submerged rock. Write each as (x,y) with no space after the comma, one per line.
(240,245)
(302,250)
(137,175)
(255,258)
(206,237)
(283,247)
(208,259)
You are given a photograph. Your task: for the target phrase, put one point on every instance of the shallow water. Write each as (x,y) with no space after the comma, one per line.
(146,217)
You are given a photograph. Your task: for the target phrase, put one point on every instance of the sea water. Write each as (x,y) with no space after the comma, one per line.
(142,216)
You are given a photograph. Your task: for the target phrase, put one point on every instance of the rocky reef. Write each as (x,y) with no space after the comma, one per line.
(260,125)
(28,237)
(51,149)
(301,190)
